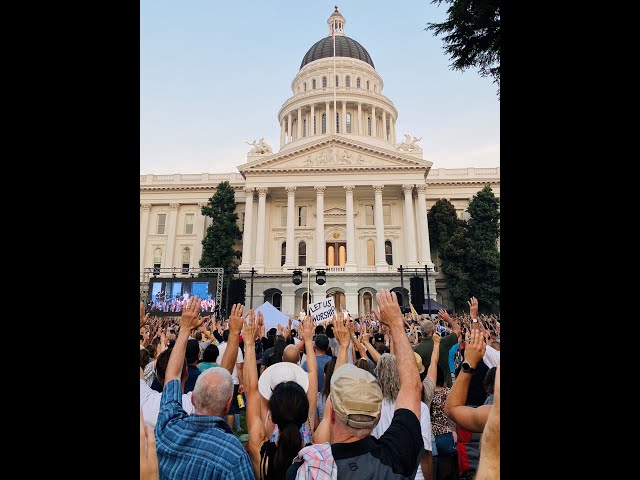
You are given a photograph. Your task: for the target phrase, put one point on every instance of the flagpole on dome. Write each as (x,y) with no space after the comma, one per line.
(335,103)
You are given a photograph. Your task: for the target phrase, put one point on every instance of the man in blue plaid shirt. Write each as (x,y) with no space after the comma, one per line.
(198,446)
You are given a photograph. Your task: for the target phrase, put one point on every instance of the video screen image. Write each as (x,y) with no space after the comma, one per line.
(168,296)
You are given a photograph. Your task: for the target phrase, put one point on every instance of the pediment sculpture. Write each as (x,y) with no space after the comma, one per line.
(409,144)
(260,147)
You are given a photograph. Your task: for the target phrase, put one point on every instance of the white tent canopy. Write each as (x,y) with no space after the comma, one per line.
(272,316)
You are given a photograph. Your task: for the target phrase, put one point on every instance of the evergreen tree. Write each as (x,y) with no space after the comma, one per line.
(218,244)
(443,223)
(483,230)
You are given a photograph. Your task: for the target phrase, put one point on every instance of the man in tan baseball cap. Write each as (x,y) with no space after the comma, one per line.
(356,397)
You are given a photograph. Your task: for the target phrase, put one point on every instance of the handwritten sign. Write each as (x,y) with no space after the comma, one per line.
(322,310)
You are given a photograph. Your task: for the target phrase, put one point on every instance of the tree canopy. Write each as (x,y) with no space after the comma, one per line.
(472,35)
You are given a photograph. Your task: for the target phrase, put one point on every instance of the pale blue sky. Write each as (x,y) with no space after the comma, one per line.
(213,74)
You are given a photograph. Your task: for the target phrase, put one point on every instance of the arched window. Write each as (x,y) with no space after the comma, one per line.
(305,86)
(337,122)
(157,260)
(337,82)
(375,88)
(367,300)
(371,253)
(347,81)
(276,300)
(367,84)
(388,252)
(313,84)
(369,125)
(324,123)
(331,254)
(342,255)
(186,258)
(283,253)
(302,254)
(324,82)
(304,127)
(348,123)
(358,82)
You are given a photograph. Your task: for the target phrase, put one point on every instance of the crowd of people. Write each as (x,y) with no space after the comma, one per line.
(384,396)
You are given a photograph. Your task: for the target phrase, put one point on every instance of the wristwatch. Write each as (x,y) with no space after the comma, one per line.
(467,368)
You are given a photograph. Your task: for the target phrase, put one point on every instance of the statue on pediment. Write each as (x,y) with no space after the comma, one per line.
(260,147)
(334,155)
(409,144)
(360,160)
(346,158)
(307,162)
(322,159)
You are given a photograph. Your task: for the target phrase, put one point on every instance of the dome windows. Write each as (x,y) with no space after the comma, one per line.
(347,82)
(358,82)
(324,82)
(313,84)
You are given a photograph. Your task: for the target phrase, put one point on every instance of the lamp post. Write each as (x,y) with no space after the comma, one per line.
(297,280)
(401,270)
(426,269)
(308,289)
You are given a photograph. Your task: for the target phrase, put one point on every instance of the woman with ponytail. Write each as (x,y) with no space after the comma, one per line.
(292,396)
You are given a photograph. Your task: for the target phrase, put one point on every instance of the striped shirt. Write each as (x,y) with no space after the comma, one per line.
(196,446)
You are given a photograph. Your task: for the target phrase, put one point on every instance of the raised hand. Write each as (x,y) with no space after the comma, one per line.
(280,330)
(235,319)
(148,455)
(340,330)
(191,314)
(475,346)
(364,334)
(444,314)
(473,308)
(436,340)
(259,326)
(306,329)
(249,331)
(388,311)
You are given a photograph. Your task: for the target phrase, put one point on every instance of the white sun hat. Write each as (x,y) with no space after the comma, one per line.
(281,372)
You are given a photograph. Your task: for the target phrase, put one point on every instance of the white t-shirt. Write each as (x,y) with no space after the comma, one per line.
(386,416)
(150,403)
(239,359)
(491,357)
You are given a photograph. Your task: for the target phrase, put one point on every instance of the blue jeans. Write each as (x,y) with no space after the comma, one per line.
(445,444)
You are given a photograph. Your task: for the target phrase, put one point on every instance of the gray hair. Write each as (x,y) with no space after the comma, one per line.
(427,327)
(213,389)
(388,378)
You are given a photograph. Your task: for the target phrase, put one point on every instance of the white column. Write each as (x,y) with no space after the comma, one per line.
(320,254)
(384,125)
(313,120)
(171,232)
(260,234)
(359,118)
(247,229)
(299,123)
(409,227)
(423,223)
(352,302)
(291,206)
(373,121)
(343,128)
(144,227)
(393,129)
(381,263)
(350,266)
(197,250)
(327,116)
(282,133)
(289,127)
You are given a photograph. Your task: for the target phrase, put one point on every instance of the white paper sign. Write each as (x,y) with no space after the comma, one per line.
(322,310)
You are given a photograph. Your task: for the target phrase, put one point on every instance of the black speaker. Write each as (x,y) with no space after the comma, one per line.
(417,293)
(237,291)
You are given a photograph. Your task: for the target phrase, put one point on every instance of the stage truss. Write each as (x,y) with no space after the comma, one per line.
(178,272)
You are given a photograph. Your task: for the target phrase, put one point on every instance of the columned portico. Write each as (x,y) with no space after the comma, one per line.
(260,235)
(144,226)
(291,201)
(381,264)
(410,231)
(171,232)
(246,232)
(319,254)
(425,248)
(200,220)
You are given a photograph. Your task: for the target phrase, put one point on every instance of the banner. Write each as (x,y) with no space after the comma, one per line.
(322,310)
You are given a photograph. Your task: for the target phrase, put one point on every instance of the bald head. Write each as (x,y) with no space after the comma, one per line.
(291,354)
(427,327)
(212,393)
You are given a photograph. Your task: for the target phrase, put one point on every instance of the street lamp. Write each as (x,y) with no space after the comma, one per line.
(296,279)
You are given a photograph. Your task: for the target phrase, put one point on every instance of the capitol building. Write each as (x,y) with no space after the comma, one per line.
(343,192)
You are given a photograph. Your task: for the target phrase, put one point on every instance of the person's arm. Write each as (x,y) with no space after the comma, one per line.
(472,419)
(341,332)
(312,367)
(240,370)
(388,312)
(452,323)
(148,455)
(426,464)
(322,434)
(489,465)
(235,326)
(375,355)
(432,372)
(190,319)
(255,425)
